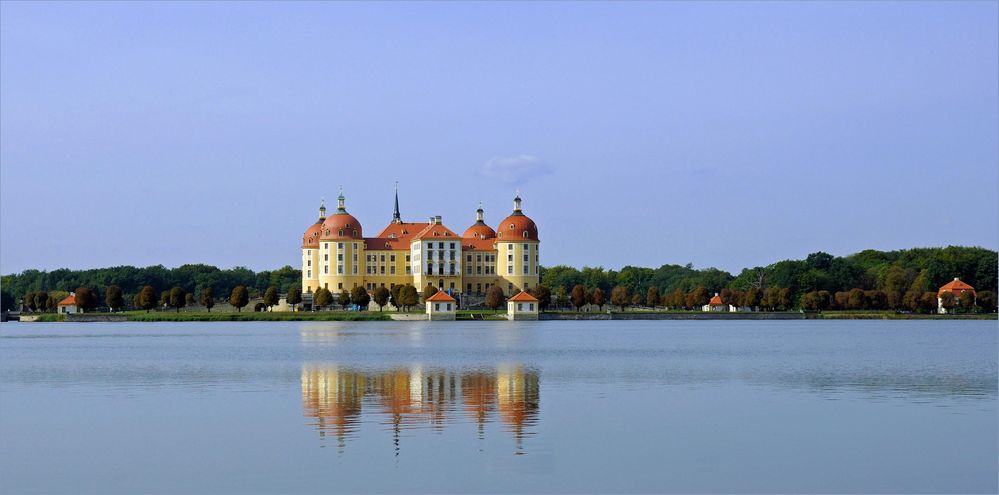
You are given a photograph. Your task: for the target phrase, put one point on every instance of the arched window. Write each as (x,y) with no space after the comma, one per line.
(526,235)
(340,233)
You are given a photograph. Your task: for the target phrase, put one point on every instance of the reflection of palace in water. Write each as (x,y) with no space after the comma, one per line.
(409,398)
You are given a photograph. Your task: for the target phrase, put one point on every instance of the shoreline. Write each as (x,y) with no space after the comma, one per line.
(201,316)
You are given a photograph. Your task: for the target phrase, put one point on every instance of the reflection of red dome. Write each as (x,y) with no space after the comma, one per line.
(479,230)
(310,239)
(513,227)
(341,226)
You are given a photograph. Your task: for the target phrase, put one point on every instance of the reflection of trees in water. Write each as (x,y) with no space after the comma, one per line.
(418,398)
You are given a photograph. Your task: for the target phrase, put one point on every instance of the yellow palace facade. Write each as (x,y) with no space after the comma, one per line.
(336,255)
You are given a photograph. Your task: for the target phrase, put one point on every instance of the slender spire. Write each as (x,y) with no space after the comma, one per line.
(478,215)
(396,217)
(322,209)
(340,204)
(516,204)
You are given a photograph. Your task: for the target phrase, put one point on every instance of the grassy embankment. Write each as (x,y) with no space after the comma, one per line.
(258,316)
(891,315)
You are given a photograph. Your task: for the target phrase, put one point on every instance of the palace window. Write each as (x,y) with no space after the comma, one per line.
(526,269)
(383,259)
(478,257)
(440,245)
(527,247)
(526,236)
(509,258)
(452,245)
(339,285)
(326,269)
(339,245)
(308,263)
(339,257)
(339,269)
(509,269)
(407,258)
(392,270)
(468,258)
(340,232)
(392,258)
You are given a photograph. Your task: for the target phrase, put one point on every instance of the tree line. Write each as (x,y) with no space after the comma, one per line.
(889,280)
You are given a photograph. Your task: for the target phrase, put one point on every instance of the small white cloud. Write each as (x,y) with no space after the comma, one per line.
(515,170)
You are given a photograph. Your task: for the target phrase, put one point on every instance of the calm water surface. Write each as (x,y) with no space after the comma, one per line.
(598,406)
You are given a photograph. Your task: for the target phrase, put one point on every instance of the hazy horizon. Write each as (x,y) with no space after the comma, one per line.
(723,134)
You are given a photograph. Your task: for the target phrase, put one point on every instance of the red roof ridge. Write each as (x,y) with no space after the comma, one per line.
(441,296)
(70,299)
(523,296)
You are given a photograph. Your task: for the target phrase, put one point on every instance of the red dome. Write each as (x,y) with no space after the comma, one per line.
(341,226)
(514,228)
(310,239)
(479,230)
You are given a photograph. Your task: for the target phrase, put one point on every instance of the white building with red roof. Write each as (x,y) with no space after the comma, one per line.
(67,305)
(441,306)
(522,306)
(956,287)
(716,304)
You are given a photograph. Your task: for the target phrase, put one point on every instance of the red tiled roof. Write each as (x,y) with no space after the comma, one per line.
(479,230)
(478,244)
(69,300)
(440,230)
(311,237)
(955,286)
(440,296)
(341,226)
(523,297)
(716,301)
(512,228)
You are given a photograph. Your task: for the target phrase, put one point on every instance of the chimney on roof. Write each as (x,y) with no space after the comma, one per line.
(437,219)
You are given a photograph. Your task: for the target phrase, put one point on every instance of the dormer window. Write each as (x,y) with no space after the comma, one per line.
(511,226)
(340,233)
(525,235)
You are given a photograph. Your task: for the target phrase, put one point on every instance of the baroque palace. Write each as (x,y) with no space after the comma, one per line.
(336,255)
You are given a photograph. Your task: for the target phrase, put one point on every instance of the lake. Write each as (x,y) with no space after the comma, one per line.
(559,406)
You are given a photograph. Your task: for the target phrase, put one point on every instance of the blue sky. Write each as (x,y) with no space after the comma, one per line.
(726,134)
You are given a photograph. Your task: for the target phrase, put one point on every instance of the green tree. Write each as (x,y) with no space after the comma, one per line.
(652,297)
(494,297)
(561,297)
(948,301)
(967,301)
(754,297)
(987,301)
(85,299)
(929,302)
(784,298)
(294,297)
(897,281)
(543,295)
(431,290)
(6,301)
(598,297)
(855,299)
(178,298)
(578,296)
(42,301)
(28,302)
(409,296)
(637,300)
(381,296)
(360,297)
(113,298)
(164,298)
(323,298)
(146,298)
(619,297)
(239,297)
(395,296)
(271,297)
(207,298)
(701,296)
(189,298)
(344,298)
